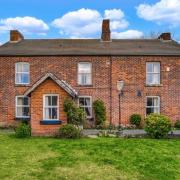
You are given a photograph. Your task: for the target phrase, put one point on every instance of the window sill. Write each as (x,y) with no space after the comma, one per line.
(153,85)
(22,118)
(90,118)
(50,122)
(22,85)
(79,85)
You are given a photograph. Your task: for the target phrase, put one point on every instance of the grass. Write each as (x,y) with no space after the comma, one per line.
(101,158)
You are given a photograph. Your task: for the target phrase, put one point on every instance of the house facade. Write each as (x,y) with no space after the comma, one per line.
(130,76)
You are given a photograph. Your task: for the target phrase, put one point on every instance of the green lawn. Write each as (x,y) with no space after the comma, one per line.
(101,158)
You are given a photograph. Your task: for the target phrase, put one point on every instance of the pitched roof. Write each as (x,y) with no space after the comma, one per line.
(50,47)
(61,83)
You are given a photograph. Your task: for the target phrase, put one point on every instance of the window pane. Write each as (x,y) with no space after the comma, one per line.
(48,101)
(88,111)
(156,110)
(87,101)
(149,78)
(54,113)
(149,67)
(81,102)
(84,68)
(25,111)
(79,79)
(25,67)
(19,112)
(88,79)
(155,101)
(47,113)
(20,101)
(25,78)
(149,110)
(54,100)
(156,68)
(18,78)
(26,101)
(156,79)
(19,67)
(149,101)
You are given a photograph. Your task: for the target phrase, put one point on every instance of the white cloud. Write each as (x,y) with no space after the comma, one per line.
(134,34)
(83,22)
(24,24)
(115,14)
(86,23)
(162,12)
(117,18)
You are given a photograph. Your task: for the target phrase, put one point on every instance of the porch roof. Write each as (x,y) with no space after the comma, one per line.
(63,84)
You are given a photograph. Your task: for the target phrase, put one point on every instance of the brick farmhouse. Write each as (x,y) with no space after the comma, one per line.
(131,76)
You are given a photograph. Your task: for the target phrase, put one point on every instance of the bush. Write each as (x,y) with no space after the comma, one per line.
(23,131)
(75,115)
(69,131)
(177,124)
(99,113)
(157,126)
(135,119)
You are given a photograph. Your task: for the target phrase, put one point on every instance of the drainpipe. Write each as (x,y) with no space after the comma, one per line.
(110,75)
(120,85)
(119,109)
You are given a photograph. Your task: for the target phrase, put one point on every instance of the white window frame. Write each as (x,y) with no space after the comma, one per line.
(153,106)
(86,106)
(16,105)
(79,83)
(22,63)
(153,73)
(44,106)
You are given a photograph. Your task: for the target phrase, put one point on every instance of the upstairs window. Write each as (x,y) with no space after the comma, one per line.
(22,73)
(50,107)
(84,73)
(153,73)
(22,107)
(152,104)
(85,103)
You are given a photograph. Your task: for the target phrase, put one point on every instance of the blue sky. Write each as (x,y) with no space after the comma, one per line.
(82,18)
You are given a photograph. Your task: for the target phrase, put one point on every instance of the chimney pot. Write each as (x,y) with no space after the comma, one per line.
(165,36)
(106,33)
(15,36)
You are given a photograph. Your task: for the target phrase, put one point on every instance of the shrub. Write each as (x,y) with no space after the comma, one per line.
(157,126)
(177,124)
(99,113)
(75,115)
(135,119)
(69,131)
(23,131)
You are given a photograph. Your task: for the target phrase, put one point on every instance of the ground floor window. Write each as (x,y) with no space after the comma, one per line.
(85,102)
(22,107)
(152,104)
(51,107)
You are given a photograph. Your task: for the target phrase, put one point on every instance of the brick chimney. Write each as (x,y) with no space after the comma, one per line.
(106,33)
(165,36)
(15,36)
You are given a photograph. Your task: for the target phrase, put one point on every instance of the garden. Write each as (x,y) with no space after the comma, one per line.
(71,155)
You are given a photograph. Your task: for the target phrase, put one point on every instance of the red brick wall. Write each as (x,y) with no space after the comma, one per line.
(131,69)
